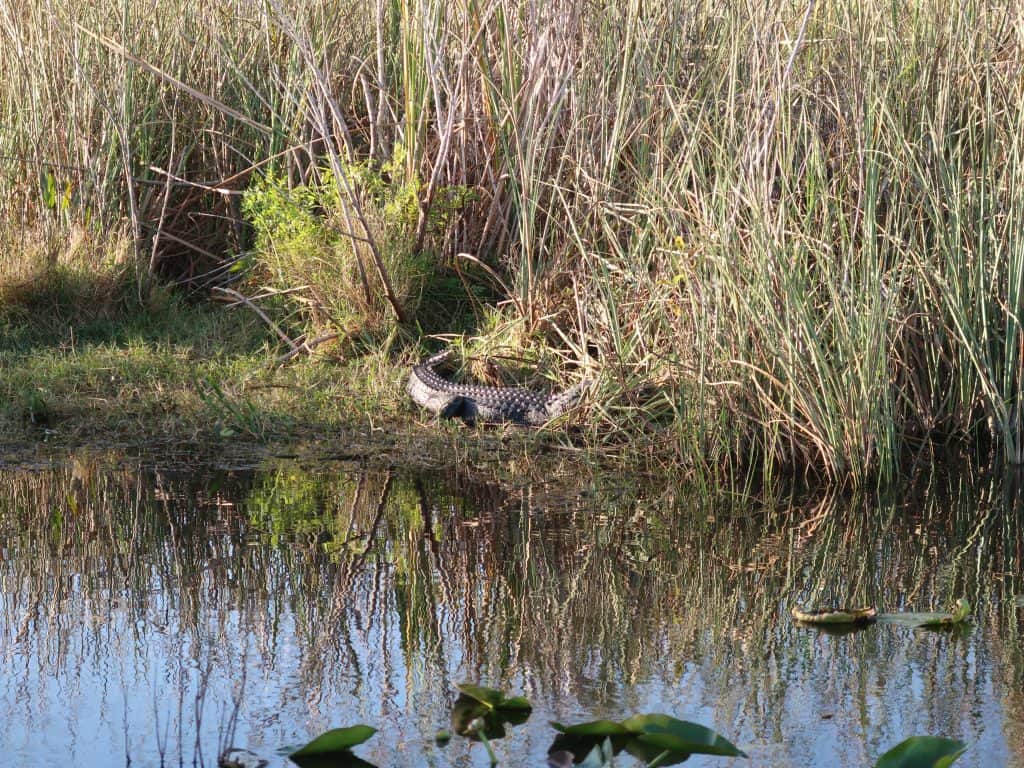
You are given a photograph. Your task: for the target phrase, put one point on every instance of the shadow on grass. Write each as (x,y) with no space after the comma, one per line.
(94,353)
(65,308)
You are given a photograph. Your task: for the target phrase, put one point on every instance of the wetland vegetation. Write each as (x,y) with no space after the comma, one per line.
(785,243)
(785,236)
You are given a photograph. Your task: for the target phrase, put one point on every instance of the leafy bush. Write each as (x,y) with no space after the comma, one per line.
(307,254)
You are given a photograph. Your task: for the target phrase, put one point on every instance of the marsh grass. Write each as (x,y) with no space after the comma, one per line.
(786,235)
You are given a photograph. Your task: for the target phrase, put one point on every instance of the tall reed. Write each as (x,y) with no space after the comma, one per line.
(786,234)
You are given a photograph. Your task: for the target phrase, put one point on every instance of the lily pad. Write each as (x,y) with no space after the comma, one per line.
(655,757)
(600,756)
(843,616)
(582,741)
(335,741)
(668,733)
(596,729)
(932,619)
(482,713)
(922,752)
(336,760)
(493,698)
(656,739)
(472,719)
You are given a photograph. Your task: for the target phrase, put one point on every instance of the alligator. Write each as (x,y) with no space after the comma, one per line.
(485,405)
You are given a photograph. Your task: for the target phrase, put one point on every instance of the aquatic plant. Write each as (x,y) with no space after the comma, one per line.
(922,752)
(959,614)
(481,713)
(335,745)
(656,739)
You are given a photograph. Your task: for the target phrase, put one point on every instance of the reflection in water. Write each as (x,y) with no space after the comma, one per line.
(162,616)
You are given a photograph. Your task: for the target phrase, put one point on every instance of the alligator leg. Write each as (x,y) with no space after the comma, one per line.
(453,407)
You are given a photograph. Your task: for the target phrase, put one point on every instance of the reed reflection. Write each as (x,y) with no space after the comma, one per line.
(167,613)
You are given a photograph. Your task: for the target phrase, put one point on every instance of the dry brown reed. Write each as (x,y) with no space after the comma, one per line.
(783,235)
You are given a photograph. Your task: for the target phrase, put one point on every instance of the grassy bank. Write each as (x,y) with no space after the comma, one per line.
(86,361)
(159,368)
(786,236)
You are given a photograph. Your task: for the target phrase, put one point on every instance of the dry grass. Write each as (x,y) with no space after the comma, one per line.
(786,235)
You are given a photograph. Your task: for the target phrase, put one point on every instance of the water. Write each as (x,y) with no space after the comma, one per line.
(157,615)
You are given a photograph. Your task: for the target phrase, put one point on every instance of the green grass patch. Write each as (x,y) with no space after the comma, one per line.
(172,369)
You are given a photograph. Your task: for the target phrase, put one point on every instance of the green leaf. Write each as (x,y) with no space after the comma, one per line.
(567,752)
(335,760)
(653,756)
(961,612)
(912,619)
(922,752)
(595,729)
(49,190)
(475,718)
(335,741)
(471,718)
(489,697)
(493,698)
(668,733)
(520,703)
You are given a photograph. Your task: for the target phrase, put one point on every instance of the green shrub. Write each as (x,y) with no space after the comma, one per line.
(305,251)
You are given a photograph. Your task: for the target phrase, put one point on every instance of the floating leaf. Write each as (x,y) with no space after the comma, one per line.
(961,610)
(482,713)
(656,739)
(668,733)
(582,747)
(653,756)
(960,613)
(493,698)
(595,729)
(519,703)
(336,760)
(488,696)
(834,616)
(335,741)
(588,742)
(922,752)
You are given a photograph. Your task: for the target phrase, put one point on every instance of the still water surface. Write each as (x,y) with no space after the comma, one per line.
(154,616)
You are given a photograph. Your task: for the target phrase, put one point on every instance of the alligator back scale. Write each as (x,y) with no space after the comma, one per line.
(485,405)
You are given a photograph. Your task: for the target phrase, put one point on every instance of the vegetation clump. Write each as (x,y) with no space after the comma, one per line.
(303,254)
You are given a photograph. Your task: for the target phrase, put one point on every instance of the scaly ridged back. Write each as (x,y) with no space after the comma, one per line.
(476,403)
